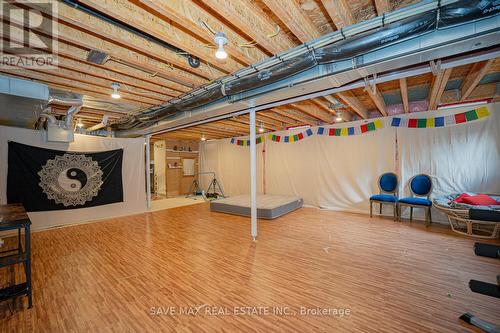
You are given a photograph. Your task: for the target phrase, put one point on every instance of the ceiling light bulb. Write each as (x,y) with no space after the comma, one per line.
(220,39)
(115,94)
(203,137)
(261,128)
(79,124)
(339,116)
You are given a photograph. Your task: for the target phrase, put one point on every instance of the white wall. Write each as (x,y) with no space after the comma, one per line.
(340,173)
(133,174)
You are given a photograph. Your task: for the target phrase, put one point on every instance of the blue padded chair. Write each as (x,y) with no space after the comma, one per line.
(388,185)
(420,186)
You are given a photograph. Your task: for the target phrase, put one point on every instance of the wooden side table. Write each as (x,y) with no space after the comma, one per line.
(12,217)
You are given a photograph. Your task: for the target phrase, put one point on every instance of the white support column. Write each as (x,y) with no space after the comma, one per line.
(253,175)
(148,171)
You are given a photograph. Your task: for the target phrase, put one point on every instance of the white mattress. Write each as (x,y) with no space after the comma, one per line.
(269,206)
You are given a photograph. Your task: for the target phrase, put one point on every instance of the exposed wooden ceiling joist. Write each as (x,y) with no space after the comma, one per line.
(127,12)
(290,13)
(404,94)
(377,98)
(72,58)
(475,75)
(296,115)
(278,117)
(86,89)
(340,12)
(313,110)
(248,18)
(81,78)
(354,103)
(92,33)
(437,89)
(191,16)
(382,6)
(244,119)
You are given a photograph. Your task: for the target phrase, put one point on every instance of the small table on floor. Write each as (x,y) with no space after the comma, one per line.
(12,217)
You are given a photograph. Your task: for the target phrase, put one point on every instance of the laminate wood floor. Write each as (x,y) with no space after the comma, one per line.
(152,272)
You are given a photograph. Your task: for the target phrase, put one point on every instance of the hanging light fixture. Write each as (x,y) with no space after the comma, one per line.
(203,138)
(79,124)
(339,116)
(220,39)
(115,94)
(261,128)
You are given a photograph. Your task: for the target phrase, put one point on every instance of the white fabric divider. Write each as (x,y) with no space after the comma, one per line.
(341,173)
(460,158)
(231,165)
(330,172)
(133,173)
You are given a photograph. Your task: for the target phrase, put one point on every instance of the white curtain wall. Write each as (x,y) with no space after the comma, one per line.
(133,174)
(340,173)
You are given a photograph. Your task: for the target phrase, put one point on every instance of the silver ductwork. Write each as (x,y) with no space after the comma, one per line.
(52,121)
(65,101)
(74,104)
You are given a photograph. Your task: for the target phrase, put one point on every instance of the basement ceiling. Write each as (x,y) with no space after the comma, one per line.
(150,41)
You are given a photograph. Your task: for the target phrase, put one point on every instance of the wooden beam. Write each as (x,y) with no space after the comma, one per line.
(313,110)
(323,105)
(438,86)
(404,94)
(482,91)
(75,75)
(136,60)
(67,66)
(76,87)
(340,12)
(114,68)
(190,15)
(244,119)
(382,6)
(377,98)
(198,133)
(478,70)
(224,128)
(210,129)
(290,13)
(240,124)
(296,115)
(278,117)
(75,57)
(133,15)
(93,33)
(353,103)
(248,18)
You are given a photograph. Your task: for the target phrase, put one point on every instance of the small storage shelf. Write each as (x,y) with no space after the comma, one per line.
(182,151)
(12,259)
(14,291)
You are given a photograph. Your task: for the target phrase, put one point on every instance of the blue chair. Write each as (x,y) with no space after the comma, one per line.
(388,185)
(420,186)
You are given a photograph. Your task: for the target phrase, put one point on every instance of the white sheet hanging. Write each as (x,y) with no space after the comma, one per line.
(341,173)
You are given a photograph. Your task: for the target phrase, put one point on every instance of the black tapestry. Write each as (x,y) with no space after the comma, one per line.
(45,179)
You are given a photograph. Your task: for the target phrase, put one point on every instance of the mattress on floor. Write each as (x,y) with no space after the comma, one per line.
(269,206)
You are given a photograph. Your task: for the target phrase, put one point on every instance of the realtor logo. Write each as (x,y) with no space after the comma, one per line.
(29,34)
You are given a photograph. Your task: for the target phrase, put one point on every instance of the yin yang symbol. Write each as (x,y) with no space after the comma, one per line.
(72,179)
